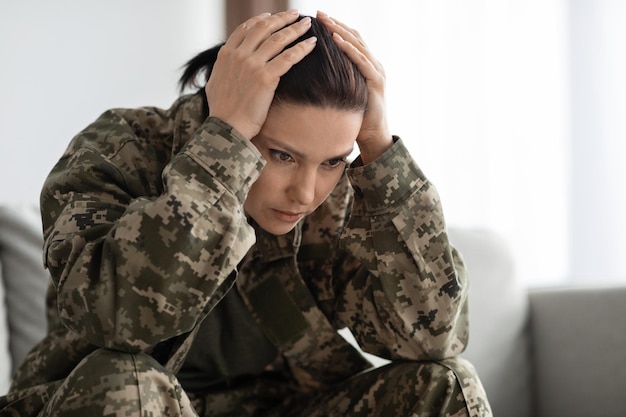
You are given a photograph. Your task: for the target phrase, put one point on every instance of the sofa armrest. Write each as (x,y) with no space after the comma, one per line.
(498,307)
(24,282)
(579,347)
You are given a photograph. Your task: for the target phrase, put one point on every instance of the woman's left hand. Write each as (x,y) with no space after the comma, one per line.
(374,138)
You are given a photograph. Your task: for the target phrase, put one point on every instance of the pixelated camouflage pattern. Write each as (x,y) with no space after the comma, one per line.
(145,232)
(403,389)
(127,385)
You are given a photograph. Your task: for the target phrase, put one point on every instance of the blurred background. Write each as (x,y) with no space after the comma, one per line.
(515,109)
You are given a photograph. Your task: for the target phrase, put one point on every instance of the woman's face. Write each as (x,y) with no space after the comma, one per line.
(306,149)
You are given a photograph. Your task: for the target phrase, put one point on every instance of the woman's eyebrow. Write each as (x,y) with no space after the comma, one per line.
(290,150)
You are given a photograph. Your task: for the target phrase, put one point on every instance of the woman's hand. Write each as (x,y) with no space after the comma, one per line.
(374,138)
(241,87)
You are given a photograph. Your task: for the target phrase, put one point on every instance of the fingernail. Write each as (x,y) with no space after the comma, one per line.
(324,16)
(306,21)
(312,39)
(338,37)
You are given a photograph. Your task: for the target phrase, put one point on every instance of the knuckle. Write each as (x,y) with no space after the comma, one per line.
(244,27)
(225,56)
(278,37)
(262,25)
(225,51)
(291,55)
(238,55)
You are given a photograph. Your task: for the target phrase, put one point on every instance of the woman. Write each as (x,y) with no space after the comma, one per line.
(202,265)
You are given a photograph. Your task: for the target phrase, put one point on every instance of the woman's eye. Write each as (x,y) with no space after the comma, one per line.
(280,156)
(335,163)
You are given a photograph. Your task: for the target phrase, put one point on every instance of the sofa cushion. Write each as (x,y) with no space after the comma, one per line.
(580,351)
(24,279)
(498,306)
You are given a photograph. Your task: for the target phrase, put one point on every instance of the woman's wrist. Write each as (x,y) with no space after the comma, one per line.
(373,149)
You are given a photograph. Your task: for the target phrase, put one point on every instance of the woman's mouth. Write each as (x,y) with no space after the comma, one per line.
(287,216)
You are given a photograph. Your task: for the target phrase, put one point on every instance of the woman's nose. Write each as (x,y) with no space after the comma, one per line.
(302,188)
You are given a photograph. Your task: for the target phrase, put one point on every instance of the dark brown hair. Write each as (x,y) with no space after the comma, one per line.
(324,78)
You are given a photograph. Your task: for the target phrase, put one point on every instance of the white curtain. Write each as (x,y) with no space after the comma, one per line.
(483,93)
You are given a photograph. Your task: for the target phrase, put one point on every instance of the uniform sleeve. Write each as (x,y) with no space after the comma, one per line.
(134,263)
(406,293)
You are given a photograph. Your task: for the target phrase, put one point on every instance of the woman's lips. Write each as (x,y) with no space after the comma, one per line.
(287,216)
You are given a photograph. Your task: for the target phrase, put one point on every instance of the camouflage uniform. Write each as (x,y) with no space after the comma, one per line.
(144,235)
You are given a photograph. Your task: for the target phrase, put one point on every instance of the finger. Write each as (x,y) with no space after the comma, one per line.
(351,37)
(348,34)
(259,30)
(367,65)
(289,57)
(273,45)
(334,25)
(240,32)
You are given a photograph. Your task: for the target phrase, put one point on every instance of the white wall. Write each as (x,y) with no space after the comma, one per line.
(598,65)
(514,108)
(479,90)
(62,63)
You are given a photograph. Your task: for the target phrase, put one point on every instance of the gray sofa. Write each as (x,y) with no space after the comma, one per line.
(23,287)
(544,353)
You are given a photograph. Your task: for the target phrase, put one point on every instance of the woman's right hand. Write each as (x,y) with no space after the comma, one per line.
(248,68)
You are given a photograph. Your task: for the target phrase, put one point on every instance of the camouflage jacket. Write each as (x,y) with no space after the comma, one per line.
(145,232)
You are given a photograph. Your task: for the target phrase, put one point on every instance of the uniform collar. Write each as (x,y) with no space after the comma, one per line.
(271,247)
